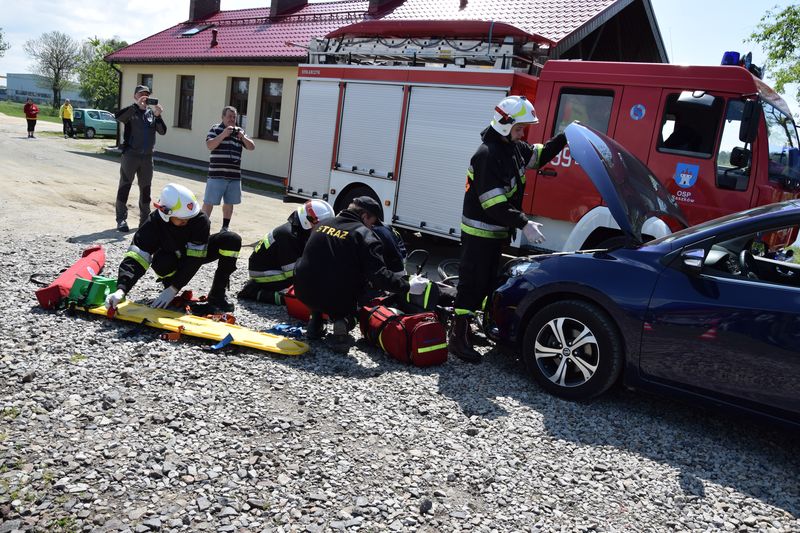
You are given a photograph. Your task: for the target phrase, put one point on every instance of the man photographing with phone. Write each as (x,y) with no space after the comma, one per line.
(142,121)
(224,185)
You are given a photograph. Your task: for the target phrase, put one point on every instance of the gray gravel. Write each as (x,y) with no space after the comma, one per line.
(105,431)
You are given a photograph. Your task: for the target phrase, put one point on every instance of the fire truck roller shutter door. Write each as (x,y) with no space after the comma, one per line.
(315,124)
(433,147)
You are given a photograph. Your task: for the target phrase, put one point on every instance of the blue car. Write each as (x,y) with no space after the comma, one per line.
(709,313)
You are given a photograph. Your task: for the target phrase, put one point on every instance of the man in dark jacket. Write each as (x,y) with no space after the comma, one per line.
(175,240)
(493,210)
(141,125)
(272,263)
(342,258)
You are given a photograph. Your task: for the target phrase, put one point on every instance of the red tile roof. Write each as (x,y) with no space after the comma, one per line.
(249,35)
(245,34)
(554,19)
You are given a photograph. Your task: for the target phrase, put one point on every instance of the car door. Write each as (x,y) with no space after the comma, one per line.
(107,124)
(727,335)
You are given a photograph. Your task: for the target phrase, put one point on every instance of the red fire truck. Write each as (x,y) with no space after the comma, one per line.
(718,137)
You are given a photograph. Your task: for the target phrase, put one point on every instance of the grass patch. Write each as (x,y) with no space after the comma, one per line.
(77,358)
(14,109)
(65,525)
(9,412)
(260,186)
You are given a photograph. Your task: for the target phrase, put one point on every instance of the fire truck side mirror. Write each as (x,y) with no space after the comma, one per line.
(750,115)
(740,157)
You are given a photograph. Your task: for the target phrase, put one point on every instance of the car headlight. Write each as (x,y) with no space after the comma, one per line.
(520,266)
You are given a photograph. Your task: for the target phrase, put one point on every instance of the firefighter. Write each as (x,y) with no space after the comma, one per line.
(341,260)
(492,210)
(272,263)
(175,241)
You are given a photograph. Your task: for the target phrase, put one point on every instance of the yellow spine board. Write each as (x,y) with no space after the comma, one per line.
(205,328)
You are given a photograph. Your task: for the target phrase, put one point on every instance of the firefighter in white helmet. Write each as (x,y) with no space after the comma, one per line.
(492,210)
(272,263)
(175,241)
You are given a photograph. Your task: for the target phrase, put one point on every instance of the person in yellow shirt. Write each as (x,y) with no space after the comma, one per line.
(66,117)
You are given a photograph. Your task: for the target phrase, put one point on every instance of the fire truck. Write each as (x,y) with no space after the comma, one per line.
(398,118)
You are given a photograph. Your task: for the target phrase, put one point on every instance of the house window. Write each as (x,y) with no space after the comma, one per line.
(185,102)
(591,107)
(240,87)
(269,123)
(146,79)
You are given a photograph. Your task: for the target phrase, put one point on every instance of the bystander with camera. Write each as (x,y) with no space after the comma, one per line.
(142,121)
(224,185)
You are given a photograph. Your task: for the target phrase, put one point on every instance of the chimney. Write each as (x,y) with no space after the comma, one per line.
(377,6)
(214,37)
(201,9)
(279,8)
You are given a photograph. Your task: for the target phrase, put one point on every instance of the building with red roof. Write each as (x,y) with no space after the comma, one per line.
(248,58)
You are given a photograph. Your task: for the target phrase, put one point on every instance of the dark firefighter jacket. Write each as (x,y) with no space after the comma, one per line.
(341,257)
(189,243)
(496,183)
(274,257)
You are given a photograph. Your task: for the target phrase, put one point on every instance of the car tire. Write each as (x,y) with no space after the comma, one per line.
(89,133)
(580,374)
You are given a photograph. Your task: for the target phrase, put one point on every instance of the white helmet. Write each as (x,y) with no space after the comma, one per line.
(513,110)
(176,201)
(313,212)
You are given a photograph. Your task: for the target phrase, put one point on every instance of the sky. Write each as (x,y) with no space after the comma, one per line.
(694,31)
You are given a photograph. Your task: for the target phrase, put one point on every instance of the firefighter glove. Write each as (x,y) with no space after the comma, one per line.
(417,284)
(164,298)
(114,299)
(532,232)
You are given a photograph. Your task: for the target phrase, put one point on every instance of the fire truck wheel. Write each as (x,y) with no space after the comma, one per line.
(346,199)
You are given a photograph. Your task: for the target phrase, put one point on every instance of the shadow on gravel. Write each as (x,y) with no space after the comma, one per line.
(703,446)
(106,236)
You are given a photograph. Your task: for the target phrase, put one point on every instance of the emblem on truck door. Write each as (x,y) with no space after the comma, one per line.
(638,111)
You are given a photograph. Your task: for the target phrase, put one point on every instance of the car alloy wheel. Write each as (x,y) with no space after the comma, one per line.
(573,350)
(90,133)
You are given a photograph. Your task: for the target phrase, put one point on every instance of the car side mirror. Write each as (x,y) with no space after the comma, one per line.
(693,260)
(740,157)
(748,130)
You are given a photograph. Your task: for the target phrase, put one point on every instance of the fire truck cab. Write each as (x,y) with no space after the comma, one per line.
(402,127)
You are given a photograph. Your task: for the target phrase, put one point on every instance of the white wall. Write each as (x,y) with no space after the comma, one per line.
(211,94)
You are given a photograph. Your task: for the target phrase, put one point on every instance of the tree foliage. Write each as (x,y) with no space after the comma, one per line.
(3,44)
(56,56)
(778,33)
(98,79)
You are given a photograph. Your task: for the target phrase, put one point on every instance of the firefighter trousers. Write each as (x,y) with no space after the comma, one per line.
(223,247)
(477,271)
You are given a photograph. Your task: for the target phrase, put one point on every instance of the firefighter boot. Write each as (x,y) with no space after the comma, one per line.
(216,296)
(316,326)
(459,342)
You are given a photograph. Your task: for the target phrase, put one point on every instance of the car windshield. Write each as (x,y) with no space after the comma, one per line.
(711,224)
(784,150)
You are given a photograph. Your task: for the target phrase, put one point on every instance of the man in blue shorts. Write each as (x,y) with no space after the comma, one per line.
(225,140)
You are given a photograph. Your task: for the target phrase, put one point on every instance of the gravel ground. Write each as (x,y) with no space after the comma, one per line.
(103,428)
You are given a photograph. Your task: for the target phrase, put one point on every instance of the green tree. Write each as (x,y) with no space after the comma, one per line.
(3,44)
(778,33)
(98,79)
(56,57)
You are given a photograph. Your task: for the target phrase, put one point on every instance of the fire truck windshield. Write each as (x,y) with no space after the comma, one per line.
(784,150)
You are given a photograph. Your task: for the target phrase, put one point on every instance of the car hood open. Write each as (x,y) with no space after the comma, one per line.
(631,191)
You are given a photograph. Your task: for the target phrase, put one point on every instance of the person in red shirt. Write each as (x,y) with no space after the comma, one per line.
(31,113)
